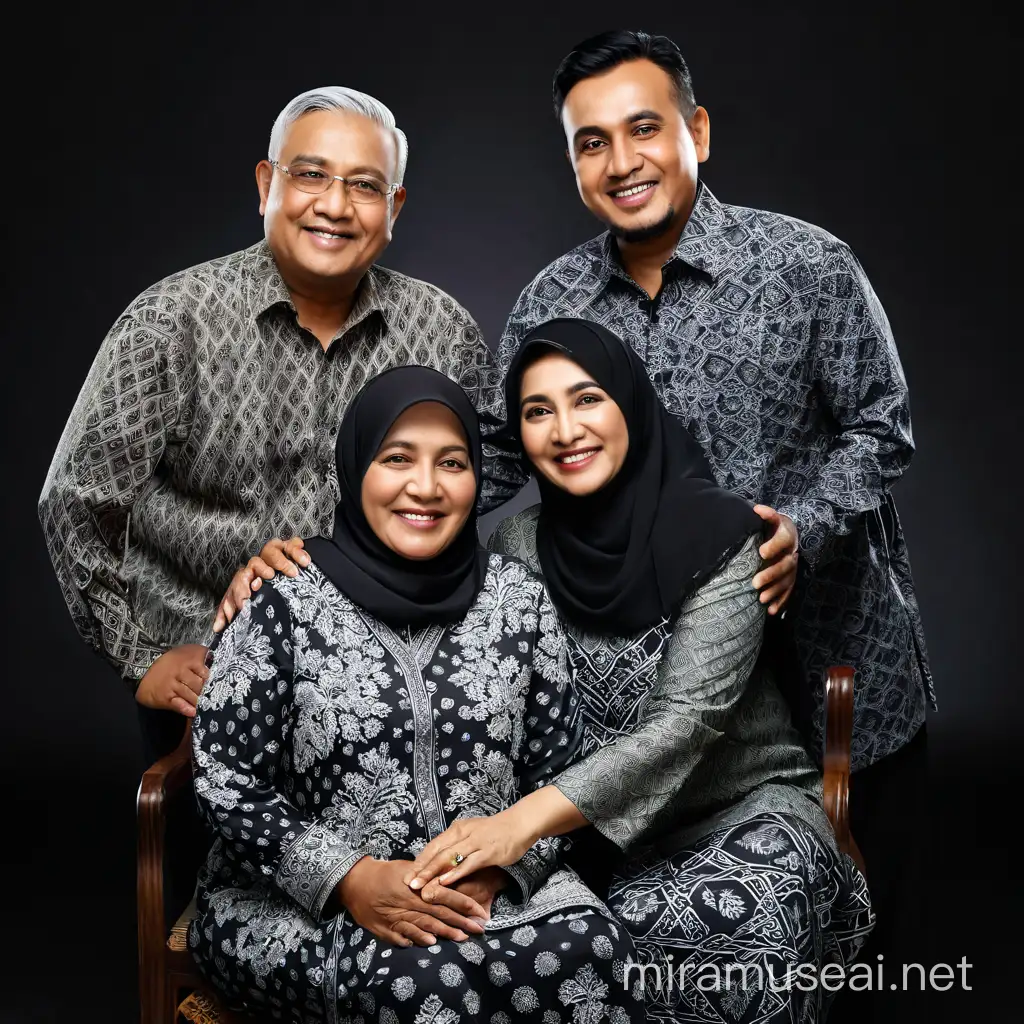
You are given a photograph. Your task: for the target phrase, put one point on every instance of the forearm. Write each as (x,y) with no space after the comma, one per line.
(101,465)
(630,788)
(241,788)
(865,404)
(852,481)
(119,636)
(539,818)
(547,812)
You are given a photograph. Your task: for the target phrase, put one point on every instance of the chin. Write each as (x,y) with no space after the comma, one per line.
(420,552)
(641,228)
(581,487)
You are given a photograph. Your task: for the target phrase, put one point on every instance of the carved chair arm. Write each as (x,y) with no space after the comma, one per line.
(836,756)
(159,783)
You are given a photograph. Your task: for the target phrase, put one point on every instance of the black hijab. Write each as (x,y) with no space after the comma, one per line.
(399,591)
(624,558)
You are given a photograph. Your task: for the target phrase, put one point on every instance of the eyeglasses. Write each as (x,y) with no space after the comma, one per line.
(315,180)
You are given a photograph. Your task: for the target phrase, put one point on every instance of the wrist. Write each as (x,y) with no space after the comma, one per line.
(527,819)
(350,884)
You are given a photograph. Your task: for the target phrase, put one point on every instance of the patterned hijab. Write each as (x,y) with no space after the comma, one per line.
(399,591)
(626,557)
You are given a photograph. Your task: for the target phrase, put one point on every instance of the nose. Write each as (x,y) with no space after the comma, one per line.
(567,429)
(424,483)
(335,203)
(625,158)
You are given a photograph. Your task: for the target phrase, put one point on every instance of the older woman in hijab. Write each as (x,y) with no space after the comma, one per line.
(402,678)
(695,793)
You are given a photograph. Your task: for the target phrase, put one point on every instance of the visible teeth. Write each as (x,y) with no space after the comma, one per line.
(325,234)
(633,191)
(577,458)
(420,519)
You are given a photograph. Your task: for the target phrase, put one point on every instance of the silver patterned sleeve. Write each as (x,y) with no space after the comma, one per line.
(860,379)
(630,788)
(109,450)
(238,740)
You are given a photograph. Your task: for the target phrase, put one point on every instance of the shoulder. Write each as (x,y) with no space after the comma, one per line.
(516,596)
(744,563)
(420,298)
(507,572)
(176,302)
(260,626)
(563,273)
(796,241)
(516,535)
(728,589)
(272,600)
(780,226)
(308,589)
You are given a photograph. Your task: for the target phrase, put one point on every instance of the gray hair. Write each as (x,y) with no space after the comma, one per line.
(339,97)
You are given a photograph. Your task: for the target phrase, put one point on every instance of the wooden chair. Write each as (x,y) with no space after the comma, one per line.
(166,967)
(836,758)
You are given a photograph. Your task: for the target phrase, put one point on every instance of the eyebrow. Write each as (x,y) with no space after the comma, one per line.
(574,390)
(321,161)
(639,115)
(410,447)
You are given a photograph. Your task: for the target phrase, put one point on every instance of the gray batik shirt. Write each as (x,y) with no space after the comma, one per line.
(207,425)
(768,342)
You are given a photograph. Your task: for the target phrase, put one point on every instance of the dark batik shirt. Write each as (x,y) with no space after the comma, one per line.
(207,425)
(768,342)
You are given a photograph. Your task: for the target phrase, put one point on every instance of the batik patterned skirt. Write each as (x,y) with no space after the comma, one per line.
(569,968)
(737,926)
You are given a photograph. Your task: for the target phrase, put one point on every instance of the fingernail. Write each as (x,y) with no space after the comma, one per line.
(482,921)
(415,884)
(444,878)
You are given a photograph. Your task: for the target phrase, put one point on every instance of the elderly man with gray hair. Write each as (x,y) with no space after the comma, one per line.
(207,423)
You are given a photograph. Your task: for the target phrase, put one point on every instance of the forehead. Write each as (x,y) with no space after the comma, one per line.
(608,99)
(552,371)
(427,422)
(342,138)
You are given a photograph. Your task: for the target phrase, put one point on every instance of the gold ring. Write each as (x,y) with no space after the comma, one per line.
(457,859)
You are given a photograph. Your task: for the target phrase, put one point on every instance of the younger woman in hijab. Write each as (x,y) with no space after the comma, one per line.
(403,678)
(691,774)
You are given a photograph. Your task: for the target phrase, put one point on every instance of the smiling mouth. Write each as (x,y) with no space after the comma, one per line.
(577,457)
(633,190)
(325,233)
(418,517)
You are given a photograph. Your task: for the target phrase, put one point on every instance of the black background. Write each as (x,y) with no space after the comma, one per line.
(131,148)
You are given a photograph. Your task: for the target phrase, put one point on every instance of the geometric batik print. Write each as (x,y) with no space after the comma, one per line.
(722,928)
(207,425)
(770,345)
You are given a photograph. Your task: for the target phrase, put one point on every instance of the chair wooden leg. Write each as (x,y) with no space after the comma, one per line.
(153,1001)
(172,1001)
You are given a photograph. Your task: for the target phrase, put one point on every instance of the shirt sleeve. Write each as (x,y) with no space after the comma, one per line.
(551,734)
(478,374)
(239,734)
(858,374)
(107,455)
(629,788)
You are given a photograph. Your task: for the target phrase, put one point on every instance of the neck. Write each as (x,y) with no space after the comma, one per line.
(323,310)
(643,260)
